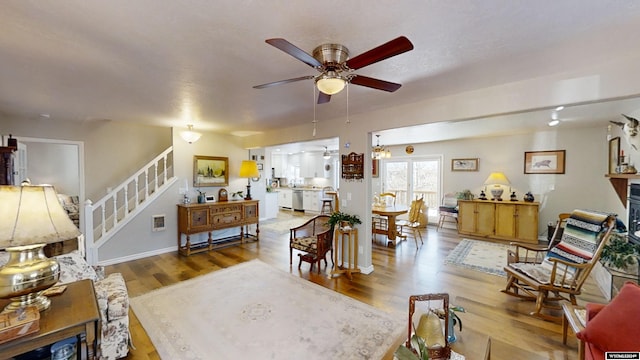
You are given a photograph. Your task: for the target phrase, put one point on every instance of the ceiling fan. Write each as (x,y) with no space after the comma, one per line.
(336,68)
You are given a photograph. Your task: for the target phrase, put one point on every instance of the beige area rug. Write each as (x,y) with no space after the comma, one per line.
(484,256)
(282,225)
(255,311)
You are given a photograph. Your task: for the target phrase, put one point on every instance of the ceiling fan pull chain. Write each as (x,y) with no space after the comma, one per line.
(313,99)
(348,122)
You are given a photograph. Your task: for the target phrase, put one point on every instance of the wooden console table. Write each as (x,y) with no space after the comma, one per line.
(207,217)
(501,220)
(72,313)
(351,242)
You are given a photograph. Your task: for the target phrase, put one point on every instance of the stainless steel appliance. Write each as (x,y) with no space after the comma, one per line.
(296,198)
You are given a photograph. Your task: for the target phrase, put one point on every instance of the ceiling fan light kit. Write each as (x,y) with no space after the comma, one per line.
(335,66)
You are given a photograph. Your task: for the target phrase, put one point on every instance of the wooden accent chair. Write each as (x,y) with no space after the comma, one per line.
(413,223)
(560,272)
(327,200)
(428,330)
(378,222)
(314,238)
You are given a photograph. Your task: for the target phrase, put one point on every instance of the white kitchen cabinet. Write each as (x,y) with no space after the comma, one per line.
(312,165)
(284,198)
(279,164)
(311,201)
(271,205)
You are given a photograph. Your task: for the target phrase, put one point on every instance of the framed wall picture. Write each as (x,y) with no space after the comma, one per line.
(544,162)
(614,154)
(210,171)
(375,168)
(465,164)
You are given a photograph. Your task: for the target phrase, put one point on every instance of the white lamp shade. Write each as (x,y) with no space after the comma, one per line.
(497,178)
(249,169)
(33,215)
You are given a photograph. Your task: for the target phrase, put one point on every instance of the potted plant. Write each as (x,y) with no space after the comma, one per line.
(236,195)
(342,219)
(620,254)
(464,195)
(418,350)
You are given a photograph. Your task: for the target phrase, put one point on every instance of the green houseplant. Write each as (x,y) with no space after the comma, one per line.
(338,218)
(620,253)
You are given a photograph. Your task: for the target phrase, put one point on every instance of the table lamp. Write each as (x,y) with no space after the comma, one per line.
(497,179)
(249,169)
(31,217)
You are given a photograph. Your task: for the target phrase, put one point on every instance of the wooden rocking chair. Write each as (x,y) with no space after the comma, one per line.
(558,273)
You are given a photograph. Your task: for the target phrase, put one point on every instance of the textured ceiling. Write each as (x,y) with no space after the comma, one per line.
(173,63)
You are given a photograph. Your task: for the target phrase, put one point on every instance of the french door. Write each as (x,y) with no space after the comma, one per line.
(414,178)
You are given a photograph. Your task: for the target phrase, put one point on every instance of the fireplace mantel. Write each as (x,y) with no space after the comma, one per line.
(620,184)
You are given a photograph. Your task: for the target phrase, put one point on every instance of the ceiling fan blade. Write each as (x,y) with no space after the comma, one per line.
(294,51)
(323,98)
(394,47)
(375,83)
(283,82)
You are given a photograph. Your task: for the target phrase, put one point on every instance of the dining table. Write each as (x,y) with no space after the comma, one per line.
(390,212)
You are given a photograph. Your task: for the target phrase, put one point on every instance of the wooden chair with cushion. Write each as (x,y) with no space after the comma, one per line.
(560,274)
(380,223)
(327,200)
(528,253)
(314,238)
(413,223)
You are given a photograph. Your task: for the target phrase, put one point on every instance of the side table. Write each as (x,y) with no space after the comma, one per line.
(351,242)
(72,313)
(571,318)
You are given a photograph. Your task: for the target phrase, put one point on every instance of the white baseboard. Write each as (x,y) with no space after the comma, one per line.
(138,256)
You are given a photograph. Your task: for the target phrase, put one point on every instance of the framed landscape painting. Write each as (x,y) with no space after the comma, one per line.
(544,162)
(464,164)
(210,171)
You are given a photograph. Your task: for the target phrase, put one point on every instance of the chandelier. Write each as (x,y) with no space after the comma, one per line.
(379,152)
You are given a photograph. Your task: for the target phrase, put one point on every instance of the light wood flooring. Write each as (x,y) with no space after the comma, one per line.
(399,272)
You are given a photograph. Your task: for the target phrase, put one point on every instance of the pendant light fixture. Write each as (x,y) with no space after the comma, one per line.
(379,152)
(326,154)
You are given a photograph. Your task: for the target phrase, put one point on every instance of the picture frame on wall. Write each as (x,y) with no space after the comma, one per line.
(544,162)
(210,171)
(614,154)
(465,164)
(375,168)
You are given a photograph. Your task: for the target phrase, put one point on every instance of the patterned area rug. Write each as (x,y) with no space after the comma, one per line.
(255,311)
(481,256)
(282,225)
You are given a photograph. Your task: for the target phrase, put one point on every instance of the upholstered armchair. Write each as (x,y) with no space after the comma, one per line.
(614,328)
(113,303)
(314,238)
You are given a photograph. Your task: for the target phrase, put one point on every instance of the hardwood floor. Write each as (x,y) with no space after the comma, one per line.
(399,272)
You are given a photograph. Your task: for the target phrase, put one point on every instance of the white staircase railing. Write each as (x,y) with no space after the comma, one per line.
(106,216)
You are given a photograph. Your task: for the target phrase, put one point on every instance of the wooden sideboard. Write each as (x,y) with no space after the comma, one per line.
(502,220)
(207,217)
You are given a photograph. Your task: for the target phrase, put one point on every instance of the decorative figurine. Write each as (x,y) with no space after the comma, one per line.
(528,197)
(513,196)
(483,196)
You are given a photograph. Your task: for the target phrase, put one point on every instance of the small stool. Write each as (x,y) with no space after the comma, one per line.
(327,204)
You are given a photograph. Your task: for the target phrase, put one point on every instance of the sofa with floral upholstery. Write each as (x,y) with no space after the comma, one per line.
(113,301)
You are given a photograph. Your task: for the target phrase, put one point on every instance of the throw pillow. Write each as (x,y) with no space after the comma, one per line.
(615,327)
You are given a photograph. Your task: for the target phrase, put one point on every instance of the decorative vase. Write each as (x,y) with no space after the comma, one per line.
(451,337)
(201,199)
(528,197)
